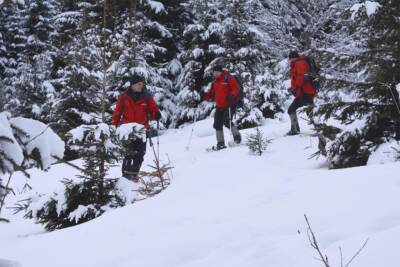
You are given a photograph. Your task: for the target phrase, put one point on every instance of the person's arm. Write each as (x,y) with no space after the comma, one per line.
(154,110)
(301,68)
(209,95)
(293,77)
(117,112)
(233,87)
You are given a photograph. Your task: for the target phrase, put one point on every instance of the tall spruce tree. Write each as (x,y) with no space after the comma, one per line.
(202,48)
(32,80)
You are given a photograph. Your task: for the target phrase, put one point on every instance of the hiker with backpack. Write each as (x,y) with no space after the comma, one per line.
(137,105)
(303,71)
(225,91)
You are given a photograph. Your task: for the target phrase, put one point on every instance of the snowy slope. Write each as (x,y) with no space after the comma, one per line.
(227,208)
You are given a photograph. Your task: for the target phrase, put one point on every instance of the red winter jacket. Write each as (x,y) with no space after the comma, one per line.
(140,111)
(220,90)
(298,67)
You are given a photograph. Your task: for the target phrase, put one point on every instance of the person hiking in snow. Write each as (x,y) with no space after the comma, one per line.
(301,87)
(135,105)
(224,91)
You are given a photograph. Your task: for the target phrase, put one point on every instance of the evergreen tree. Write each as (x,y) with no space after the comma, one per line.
(94,192)
(257,143)
(33,78)
(362,101)
(202,46)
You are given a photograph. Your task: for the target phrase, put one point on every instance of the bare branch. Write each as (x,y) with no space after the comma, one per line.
(357,253)
(68,163)
(341,257)
(41,133)
(314,243)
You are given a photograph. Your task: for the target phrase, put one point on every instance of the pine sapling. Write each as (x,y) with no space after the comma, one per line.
(257,143)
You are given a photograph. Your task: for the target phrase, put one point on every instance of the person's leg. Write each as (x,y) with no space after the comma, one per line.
(294,123)
(228,122)
(218,124)
(134,159)
(138,157)
(127,166)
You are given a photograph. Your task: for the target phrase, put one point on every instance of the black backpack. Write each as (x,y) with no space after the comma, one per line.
(313,75)
(240,96)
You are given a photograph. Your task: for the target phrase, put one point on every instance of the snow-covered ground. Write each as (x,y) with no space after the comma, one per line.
(226,208)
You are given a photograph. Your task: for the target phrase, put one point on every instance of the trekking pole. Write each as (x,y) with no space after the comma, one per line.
(191,133)
(158,139)
(148,136)
(395,100)
(230,121)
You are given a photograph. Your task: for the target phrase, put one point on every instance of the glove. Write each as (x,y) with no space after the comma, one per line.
(192,104)
(150,133)
(158,116)
(229,98)
(294,91)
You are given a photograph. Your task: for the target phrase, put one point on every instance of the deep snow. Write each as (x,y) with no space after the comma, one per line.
(226,208)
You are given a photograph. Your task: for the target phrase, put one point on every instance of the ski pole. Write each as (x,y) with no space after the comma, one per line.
(191,133)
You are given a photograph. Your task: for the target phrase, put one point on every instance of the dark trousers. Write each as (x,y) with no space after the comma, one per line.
(134,158)
(221,118)
(301,101)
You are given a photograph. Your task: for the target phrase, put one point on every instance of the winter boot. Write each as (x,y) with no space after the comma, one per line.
(236,135)
(295,128)
(219,146)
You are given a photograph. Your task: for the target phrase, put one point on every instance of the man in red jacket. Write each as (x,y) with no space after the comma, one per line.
(301,87)
(224,91)
(135,105)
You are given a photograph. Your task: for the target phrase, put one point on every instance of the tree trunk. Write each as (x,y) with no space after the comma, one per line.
(104,64)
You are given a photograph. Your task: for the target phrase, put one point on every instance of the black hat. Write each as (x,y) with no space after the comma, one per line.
(136,78)
(218,67)
(293,54)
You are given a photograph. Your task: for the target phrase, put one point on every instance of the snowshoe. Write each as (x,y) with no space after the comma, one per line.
(218,147)
(131,176)
(237,139)
(292,133)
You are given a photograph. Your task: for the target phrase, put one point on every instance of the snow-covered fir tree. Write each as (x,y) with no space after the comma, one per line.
(32,80)
(93,193)
(201,43)
(360,110)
